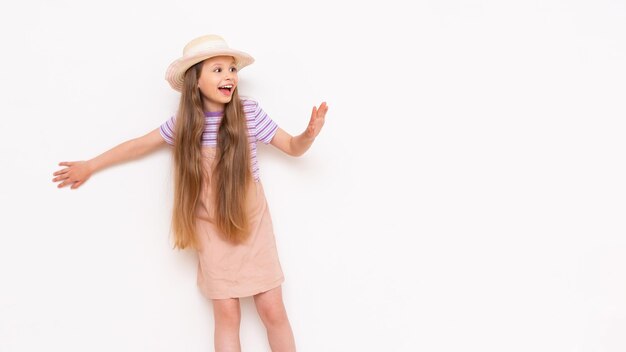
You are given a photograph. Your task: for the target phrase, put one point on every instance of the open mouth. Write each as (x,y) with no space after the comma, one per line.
(226,90)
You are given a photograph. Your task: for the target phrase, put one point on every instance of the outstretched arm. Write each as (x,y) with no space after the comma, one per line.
(78,172)
(298,145)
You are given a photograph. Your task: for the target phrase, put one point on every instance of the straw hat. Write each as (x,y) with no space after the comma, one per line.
(201,49)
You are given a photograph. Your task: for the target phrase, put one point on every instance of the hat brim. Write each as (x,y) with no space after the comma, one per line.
(176,71)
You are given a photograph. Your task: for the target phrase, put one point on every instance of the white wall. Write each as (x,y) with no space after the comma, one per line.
(466,194)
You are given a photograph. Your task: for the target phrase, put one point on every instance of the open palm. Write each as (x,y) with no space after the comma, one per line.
(316,123)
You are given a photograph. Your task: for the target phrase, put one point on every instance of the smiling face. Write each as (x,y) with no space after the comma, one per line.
(217,82)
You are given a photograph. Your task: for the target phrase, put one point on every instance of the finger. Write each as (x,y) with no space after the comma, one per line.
(60,178)
(61,172)
(76,184)
(325,107)
(67,179)
(313,117)
(322,109)
(66,163)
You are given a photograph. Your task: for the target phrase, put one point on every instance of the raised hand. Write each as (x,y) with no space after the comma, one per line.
(76,173)
(316,123)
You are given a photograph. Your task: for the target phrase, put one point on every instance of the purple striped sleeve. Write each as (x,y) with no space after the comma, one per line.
(167,130)
(265,127)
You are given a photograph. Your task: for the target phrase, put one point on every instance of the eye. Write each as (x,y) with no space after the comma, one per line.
(233,69)
(218,70)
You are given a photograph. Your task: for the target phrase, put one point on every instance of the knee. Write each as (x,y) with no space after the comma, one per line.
(273,314)
(227,313)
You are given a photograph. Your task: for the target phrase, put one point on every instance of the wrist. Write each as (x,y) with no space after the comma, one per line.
(92,165)
(305,137)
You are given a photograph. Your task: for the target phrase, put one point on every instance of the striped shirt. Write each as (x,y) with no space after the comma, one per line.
(260,128)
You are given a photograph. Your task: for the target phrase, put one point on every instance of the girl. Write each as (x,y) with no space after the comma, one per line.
(219,208)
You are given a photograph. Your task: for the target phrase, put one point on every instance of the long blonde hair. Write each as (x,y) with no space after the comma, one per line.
(231,177)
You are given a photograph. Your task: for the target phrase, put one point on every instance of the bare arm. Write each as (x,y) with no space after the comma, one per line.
(78,172)
(298,145)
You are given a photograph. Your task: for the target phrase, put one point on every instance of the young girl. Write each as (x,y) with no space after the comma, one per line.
(219,207)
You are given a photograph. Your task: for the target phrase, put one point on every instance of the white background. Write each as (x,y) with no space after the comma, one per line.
(466,194)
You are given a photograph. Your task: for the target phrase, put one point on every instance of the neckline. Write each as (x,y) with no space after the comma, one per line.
(213,113)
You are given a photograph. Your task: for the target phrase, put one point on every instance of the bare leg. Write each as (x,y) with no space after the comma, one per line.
(227,321)
(272,311)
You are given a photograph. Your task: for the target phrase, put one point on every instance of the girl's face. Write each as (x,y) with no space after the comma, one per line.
(217,82)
